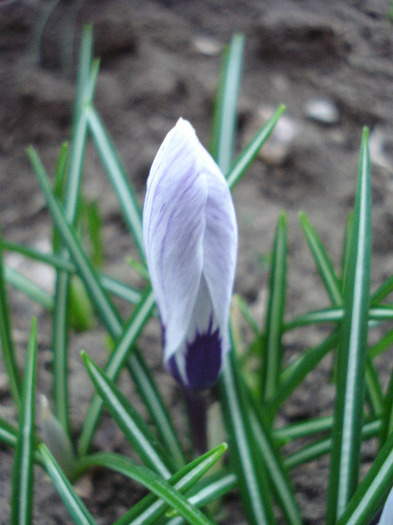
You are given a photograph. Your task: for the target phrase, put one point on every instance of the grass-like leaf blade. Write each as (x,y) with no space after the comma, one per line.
(116,173)
(373,490)
(23,475)
(322,261)
(7,344)
(247,156)
(150,508)
(245,456)
(352,352)
(272,348)
(133,426)
(114,364)
(274,466)
(224,120)
(152,481)
(154,403)
(30,289)
(76,508)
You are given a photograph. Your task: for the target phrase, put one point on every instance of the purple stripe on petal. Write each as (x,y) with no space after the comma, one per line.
(203,359)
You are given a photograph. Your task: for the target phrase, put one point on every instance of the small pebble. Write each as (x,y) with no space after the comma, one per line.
(322,110)
(207,46)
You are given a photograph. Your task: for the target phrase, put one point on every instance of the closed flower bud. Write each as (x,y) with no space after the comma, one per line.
(190,235)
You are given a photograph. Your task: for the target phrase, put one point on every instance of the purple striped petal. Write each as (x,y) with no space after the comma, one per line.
(190,234)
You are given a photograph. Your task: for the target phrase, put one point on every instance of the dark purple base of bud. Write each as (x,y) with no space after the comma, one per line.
(203,360)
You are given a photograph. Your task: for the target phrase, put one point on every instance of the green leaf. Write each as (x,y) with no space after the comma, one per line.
(272,350)
(294,374)
(151,481)
(108,283)
(101,302)
(116,173)
(322,261)
(8,433)
(373,490)
(224,117)
(77,510)
(244,454)
(149,509)
(274,466)
(374,390)
(387,413)
(133,426)
(22,283)
(352,352)
(303,429)
(247,156)
(154,403)
(212,487)
(87,75)
(59,189)
(7,344)
(323,446)
(117,359)
(22,475)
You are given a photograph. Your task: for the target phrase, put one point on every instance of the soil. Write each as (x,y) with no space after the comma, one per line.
(160,60)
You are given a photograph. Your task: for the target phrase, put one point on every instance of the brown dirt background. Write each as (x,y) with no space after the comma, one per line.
(160,60)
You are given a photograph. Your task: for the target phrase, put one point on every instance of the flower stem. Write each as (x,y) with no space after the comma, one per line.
(196,403)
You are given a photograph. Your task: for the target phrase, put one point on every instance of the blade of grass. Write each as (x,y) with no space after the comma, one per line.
(112,369)
(85,89)
(352,352)
(32,290)
(272,351)
(247,463)
(8,433)
(147,389)
(133,426)
(246,313)
(224,122)
(374,390)
(22,475)
(211,488)
(245,457)
(303,429)
(382,312)
(380,346)
(323,446)
(103,306)
(373,490)
(274,466)
(110,284)
(346,251)
(151,481)
(149,509)
(322,261)
(248,155)
(7,344)
(116,173)
(77,510)
(59,189)
(387,413)
(294,374)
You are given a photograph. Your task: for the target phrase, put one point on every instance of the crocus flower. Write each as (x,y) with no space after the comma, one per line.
(190,235)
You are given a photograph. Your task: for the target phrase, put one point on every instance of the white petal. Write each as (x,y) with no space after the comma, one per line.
(220,244)
(197,362)
(173,227)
